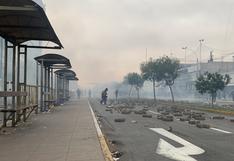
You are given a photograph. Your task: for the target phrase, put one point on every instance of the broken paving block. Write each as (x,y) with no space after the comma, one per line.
(219,117)
(232,120)
(167,118)
(147,115)
(170,129)
(199,117)
(109,106)
(197,114)
(178,114)
(165,113)
(160,109)
(194,122)
(187,113)
(160,117)
(120,120)
(117,154)
(184,119)
(203,126)
(134,121)
(126,111)
(140,112)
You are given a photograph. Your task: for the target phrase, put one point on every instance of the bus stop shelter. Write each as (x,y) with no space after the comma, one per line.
(63,78)
(21,21)
(48,63)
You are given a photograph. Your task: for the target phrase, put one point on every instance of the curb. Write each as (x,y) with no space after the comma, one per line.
(105,149)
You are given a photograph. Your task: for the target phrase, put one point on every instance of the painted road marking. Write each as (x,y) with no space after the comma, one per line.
(226,132)
(156,113)
(176,153)
(105,149)
(99,132)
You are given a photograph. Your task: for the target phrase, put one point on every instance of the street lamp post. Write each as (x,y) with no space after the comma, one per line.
(184,48)
(201,40)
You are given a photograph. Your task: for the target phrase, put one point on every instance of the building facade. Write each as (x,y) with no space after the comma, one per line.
(184,86)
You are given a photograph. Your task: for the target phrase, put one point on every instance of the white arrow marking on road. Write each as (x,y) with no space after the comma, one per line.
(176,153)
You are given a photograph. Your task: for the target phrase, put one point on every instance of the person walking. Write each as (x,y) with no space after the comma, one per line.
(78,93)
(116,94)
(104,96)
(90,94)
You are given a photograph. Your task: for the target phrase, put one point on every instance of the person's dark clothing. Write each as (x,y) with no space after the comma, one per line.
(104,97)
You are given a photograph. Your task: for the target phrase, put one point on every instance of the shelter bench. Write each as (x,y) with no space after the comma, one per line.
(50,103)
(19,112)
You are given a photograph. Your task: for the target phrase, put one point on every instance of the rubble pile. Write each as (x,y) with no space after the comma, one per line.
(200,125)
(219,117)
(198,116)
(184,119)
(194,122)
(116,155)
(120,120)
(127,107)
(147,115)
(140,112)
(167,112)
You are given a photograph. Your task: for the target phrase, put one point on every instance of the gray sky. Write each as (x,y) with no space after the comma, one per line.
(106,39)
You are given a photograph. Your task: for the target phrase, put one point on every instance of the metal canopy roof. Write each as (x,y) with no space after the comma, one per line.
(65,73)
(54,61)
(25,20)
(72,78)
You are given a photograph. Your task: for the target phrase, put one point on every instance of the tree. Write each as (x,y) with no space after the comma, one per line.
(167,71)
(149,72)
(134,80)
(210,83)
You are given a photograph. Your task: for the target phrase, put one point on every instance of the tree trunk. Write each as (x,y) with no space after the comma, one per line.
(172,95)
(154,90)
(213,98)
(130,91)
(138,93)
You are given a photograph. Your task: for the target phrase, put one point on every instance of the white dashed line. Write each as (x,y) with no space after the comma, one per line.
(99,131)
(226,132)
(223,131)
(156,113)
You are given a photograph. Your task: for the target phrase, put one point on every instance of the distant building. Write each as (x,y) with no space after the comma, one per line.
(184,87)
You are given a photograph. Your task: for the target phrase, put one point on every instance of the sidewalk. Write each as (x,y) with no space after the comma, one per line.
(67,134)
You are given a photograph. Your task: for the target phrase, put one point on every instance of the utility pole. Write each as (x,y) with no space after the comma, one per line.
(184,48)
(146,55)
(201,40)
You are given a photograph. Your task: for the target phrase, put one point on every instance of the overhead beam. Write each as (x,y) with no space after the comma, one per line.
(22,27)
(18,8)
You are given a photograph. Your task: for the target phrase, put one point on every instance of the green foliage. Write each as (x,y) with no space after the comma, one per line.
(134,79)
(211,82)
(167,70)
(149,70)
(163,70)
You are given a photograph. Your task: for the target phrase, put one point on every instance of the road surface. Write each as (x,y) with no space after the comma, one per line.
(148,139)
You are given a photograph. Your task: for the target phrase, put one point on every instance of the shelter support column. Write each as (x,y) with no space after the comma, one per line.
(42,87)
(13,81)
(5,82)
(52,84)
(37,85)
(45,89)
